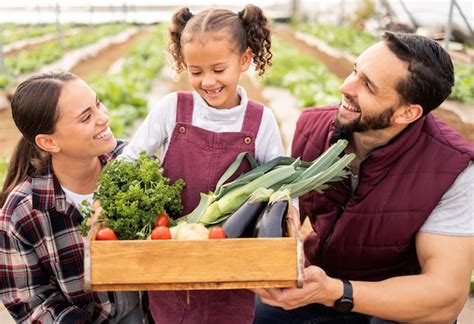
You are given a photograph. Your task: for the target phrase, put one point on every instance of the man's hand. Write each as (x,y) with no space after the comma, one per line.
(317,288)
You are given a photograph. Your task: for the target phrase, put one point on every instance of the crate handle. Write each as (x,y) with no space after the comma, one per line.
(299,251)
(87,265)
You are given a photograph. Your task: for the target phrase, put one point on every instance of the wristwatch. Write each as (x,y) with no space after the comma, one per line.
(346,302)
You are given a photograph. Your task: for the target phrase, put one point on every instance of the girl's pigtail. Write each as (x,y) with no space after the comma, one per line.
(26,161)
(178,22)
(258,36)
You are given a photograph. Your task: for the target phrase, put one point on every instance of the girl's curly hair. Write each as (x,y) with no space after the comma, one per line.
(248,28)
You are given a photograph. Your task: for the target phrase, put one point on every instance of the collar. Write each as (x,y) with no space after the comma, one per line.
(230,115)
(47,192)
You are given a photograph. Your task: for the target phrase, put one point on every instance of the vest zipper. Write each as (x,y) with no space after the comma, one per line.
(339,214)
(326,242)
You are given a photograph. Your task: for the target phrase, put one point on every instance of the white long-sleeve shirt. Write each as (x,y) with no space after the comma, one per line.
(156,130)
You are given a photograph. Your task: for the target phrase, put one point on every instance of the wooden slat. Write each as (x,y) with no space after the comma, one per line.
(197,285)
(180,262)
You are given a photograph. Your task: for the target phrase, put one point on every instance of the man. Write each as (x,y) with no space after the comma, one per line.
(393,241)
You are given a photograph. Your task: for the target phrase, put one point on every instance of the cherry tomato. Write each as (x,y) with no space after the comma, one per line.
(106,234)
(162,220)
(161,233)
(217,232)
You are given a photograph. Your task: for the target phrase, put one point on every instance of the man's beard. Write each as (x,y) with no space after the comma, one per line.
(381,121)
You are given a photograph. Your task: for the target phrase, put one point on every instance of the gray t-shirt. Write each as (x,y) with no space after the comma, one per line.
(454,214)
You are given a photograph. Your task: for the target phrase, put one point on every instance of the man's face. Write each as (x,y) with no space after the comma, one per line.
(369,96)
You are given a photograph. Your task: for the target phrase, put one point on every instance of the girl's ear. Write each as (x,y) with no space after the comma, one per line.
(246,59)
(408,114)
(47,143)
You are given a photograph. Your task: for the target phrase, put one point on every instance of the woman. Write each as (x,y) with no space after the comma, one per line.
(66,142)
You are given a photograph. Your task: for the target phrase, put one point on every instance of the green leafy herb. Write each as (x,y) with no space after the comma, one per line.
(86,210)
(132,194)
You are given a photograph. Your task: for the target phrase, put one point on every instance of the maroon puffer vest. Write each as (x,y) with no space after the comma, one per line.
(370,235)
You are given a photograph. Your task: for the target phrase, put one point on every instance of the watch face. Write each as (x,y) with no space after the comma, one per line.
(344,305)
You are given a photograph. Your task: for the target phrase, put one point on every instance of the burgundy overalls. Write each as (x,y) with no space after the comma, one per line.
(200,157)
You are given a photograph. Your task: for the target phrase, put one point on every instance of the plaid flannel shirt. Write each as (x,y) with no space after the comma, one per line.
(41,256)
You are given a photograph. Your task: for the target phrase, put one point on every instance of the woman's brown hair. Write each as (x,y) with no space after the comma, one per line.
(35,111)
(248,28)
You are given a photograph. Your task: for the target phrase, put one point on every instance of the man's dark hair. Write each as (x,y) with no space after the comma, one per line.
(431,74)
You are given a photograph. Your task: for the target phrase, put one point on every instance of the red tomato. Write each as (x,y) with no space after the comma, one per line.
(217,232)
(161,233)
(106,234)
(162,220)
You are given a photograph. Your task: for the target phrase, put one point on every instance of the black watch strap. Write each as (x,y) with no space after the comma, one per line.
(346,302)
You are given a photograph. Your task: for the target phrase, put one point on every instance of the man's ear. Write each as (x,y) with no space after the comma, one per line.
(47,143)
(408,114)
(246,59)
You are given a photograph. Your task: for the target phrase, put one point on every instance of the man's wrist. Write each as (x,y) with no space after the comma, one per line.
(346,302)
(335,291)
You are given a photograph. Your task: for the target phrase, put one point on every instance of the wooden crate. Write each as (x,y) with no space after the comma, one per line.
(188,265)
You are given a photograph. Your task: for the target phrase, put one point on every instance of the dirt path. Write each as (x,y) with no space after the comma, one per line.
(107,57)
(337,65)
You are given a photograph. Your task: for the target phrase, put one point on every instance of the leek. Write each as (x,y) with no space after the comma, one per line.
(284,176)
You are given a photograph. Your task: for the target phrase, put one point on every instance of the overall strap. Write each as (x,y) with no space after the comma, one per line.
(184,109)
(253,117)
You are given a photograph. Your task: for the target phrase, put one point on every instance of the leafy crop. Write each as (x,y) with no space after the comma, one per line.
(14,32)
(32,60)
(308,80)
(464,85)
(3,168)
(124,93)
(133,194)
(348,39)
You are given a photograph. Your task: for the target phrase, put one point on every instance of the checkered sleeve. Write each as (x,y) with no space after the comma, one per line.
(35,286)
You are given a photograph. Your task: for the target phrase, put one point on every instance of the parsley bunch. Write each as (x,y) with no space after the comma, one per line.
(133,194)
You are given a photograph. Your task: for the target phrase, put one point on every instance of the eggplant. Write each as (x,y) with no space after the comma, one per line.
(242,222)
(272,221)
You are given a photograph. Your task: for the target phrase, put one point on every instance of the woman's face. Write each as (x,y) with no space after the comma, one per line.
(82,130)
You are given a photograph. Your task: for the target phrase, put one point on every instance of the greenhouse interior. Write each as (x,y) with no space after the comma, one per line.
(119,48)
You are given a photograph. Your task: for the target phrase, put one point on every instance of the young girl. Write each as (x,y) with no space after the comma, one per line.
(66,141)
(203,132)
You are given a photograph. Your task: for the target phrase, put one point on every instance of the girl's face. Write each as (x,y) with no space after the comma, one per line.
(82,130)
(214,68)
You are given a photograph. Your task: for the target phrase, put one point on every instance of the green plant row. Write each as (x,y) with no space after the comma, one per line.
(355,41)
(3,168)
(464,83)
(124,93)
(30,61)
(12,32)
(308,80)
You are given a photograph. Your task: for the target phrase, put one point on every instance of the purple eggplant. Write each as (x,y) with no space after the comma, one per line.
(242,222)
(272,221)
